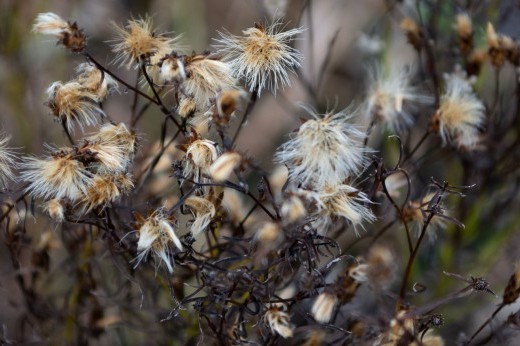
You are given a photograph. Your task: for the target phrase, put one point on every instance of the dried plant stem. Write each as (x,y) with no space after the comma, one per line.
(164,109)
(11,206)
(417,146)
(401,216)
(239,189)
(498,309)
(140,114)
(369,131)
(411,259)
(149,169)
(135,100)
(105,70)
(67,133)
(250,105)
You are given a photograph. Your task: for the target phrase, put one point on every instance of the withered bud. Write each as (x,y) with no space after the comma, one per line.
(413,32)
(69,34)
(501,48)
(512,290)
(464,29)
(228,102)
(474,62)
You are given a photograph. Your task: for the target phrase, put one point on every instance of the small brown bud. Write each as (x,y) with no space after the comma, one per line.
(512,290)
(464,29)
(413,32)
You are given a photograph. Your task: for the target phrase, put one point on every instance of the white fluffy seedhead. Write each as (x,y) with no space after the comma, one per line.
(326,150)
(342,201)
(7,162)
(57,176)
(392,97)
(461,114)
(156,235)
(72,102)
(262,56)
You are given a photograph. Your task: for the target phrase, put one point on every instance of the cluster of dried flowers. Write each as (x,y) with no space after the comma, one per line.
(277,270)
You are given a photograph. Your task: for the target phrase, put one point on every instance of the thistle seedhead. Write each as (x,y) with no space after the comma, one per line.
(342,201)
(279,321)
(199,76)
(156,235)
(137,42)
(105,189)
(72,102)
(95,80)
(460,116)
(7,162)
(199,157)
(512,290)
(326,150)
(392,97)
(464,29)
(58,176)
(262,56)
(69,35)
(203,211)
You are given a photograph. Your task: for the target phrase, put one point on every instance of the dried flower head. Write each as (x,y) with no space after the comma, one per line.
(392,97)
(501,48)
(222,168)
(137,42)
(59,175)
(464,29)
(118,134)
(418,212)
(203,210)
(156,235)
(201,77)
(413,32)
(69,35)
(326,150)
(279,321)
(105,189)
(96,81)
(324,306)
(343,201)
(72,102)
(7,162)
(104,156)
(262,56)
(111,148)
(512,290)
(460,115)
(228,101)
(401,329)
(199,157)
